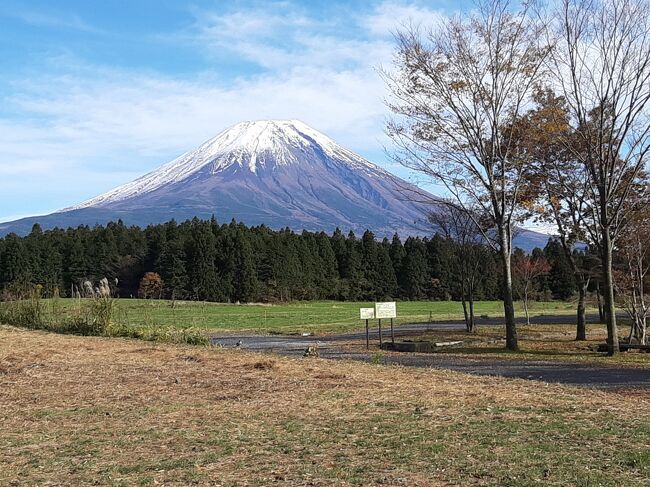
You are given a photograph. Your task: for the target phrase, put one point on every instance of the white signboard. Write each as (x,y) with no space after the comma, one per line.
(367,313)
(385,310)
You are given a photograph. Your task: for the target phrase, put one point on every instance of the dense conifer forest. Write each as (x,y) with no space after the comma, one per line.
(205,260)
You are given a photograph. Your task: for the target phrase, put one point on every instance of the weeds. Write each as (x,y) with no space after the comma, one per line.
(376,358)
(88,317)
(27,312)
(157,333)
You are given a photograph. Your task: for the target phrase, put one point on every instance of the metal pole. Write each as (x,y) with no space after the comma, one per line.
(392,333)
(367,336)
(380,342)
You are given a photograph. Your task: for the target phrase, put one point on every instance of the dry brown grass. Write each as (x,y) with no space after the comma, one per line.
(78,411)
(537,342)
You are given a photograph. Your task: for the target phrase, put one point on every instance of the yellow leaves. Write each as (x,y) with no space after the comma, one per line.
(533,207)
(458,85)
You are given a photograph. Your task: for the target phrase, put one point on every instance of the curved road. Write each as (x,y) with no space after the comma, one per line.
(548,371)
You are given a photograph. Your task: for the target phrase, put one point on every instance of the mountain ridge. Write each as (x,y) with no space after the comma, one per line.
(281,173)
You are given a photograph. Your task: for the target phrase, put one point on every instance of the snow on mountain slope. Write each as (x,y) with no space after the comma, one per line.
(277,173)
(250,145)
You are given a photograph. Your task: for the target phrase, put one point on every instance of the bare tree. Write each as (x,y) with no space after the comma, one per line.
(602,65)
(526,269)
(630,279)
(455,94)
(459,226)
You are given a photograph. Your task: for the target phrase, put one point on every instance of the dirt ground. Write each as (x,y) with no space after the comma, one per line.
(98,411)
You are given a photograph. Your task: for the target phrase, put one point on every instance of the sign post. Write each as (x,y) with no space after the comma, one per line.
(367,314)
(367,336)
(386,310)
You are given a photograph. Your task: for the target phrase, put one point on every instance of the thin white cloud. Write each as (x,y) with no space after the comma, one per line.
(389,16)
(101,126)
(57,21)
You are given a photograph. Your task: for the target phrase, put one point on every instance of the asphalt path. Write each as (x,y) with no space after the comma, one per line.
(329,346)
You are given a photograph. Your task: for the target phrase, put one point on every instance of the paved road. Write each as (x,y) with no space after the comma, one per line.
(547,371)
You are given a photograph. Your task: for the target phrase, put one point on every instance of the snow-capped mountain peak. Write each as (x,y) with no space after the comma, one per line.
(280,173)
(251,145)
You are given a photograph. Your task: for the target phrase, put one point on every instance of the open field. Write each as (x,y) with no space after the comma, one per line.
(315,316)
(78,410)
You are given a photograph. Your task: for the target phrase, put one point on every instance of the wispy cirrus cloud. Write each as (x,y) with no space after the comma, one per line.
(52,20)
(88,126)
(390,16)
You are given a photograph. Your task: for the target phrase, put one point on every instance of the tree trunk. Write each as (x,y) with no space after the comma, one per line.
(465,312)
(610,306)
(601,310)
(512,342)
(526,305)
(581,318)
(582,283)
(472,325)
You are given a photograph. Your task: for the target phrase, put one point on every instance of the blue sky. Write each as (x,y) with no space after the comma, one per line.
(94,94)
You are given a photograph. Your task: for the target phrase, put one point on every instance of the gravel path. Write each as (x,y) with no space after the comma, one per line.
(548,371)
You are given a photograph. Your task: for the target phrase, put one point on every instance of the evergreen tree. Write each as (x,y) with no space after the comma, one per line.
(15,261)
(386,285)
(232,262)
(369,281)
(445,260)
(416,270)
(397,256)
(77,261)
(560,280)
(352,272)
(245,281)
(327,277)
(171,267)
(201,254)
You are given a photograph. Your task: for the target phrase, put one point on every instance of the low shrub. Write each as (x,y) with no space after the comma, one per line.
(27,312)
(91,317)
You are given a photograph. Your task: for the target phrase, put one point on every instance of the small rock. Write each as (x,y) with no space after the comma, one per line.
(311,352)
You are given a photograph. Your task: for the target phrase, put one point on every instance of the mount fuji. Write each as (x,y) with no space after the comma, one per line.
(277,173)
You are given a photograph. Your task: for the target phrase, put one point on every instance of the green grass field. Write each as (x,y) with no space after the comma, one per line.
(319,316)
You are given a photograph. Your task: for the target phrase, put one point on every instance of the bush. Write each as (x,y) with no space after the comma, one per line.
(27,312)
(151,286)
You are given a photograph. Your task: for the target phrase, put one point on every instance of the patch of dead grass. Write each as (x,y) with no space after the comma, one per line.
(110,411)
(537,342)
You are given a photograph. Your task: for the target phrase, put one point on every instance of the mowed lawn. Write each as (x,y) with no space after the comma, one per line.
(315,316)
(101,411)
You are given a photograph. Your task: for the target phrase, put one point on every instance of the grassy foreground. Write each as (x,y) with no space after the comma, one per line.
(322,316)
(79,411)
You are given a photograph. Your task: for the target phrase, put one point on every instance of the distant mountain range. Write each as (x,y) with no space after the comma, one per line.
(280,173)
